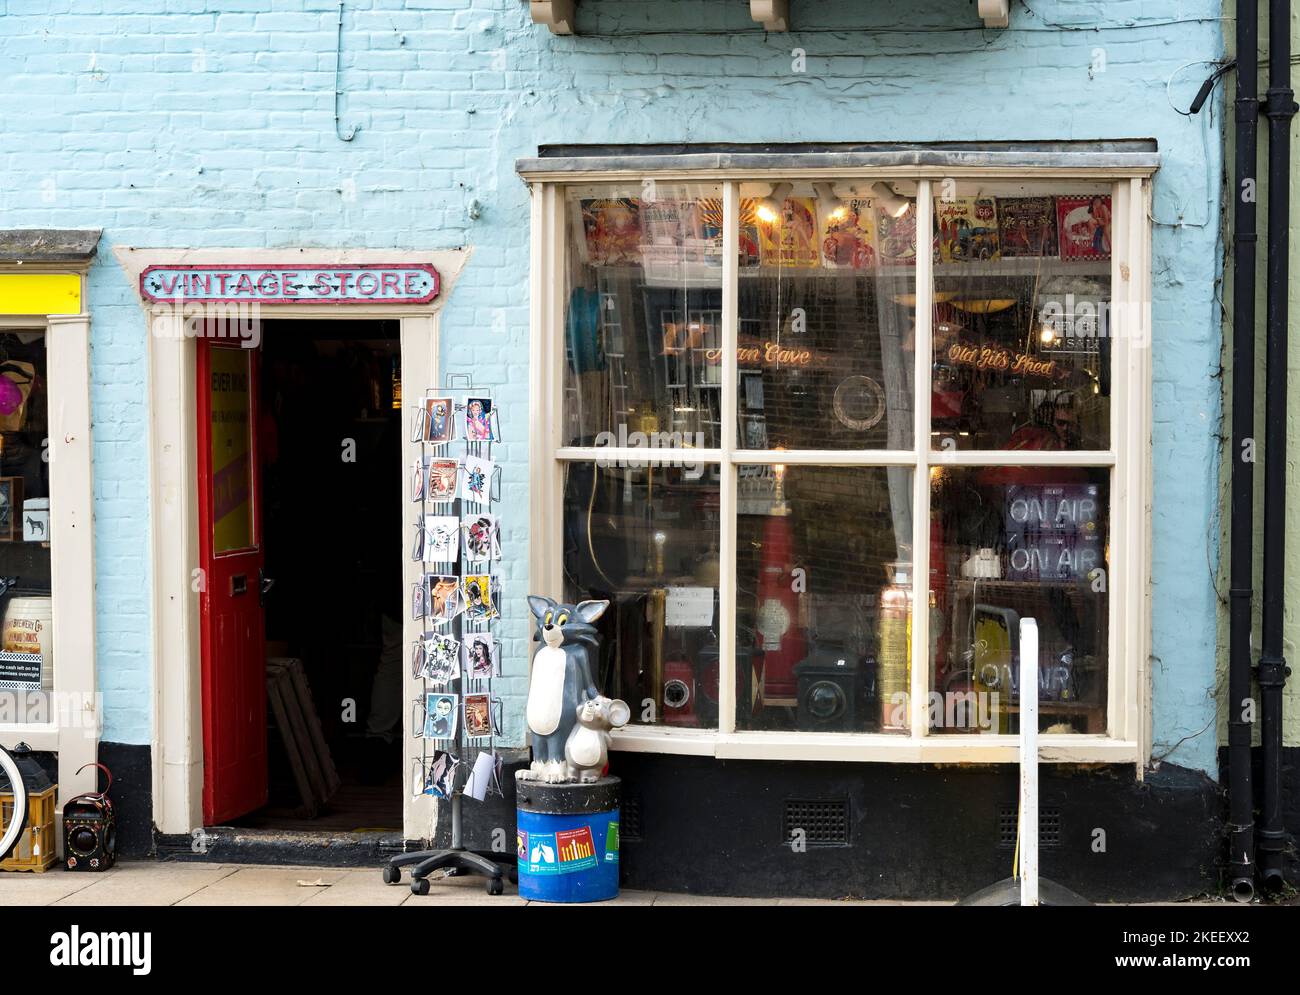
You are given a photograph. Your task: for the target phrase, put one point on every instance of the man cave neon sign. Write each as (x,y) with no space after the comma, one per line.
(371,283)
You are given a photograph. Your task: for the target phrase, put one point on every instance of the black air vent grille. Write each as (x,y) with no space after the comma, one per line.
(816,822)
(1049,828)
(630,824)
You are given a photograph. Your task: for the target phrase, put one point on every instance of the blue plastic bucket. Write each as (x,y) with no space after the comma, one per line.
(567,839)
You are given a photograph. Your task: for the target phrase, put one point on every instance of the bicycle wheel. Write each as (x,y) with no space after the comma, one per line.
(13,815)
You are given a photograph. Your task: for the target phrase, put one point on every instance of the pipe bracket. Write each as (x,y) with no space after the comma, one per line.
(1279,103)
(1273,672)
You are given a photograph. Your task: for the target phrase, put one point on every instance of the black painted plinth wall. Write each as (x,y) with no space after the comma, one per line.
(696,824)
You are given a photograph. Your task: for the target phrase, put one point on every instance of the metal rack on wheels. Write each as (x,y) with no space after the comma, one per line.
(463,625)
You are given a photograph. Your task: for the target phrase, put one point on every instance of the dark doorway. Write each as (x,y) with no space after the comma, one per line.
(330,446)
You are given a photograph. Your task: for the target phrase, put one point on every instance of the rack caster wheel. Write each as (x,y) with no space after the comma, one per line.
(495,886)
(420,886)
(392,875)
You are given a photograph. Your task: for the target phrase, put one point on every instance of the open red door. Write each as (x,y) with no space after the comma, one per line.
(230,600)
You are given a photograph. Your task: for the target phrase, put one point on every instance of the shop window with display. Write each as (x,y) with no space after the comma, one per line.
(26,657)
(801,556)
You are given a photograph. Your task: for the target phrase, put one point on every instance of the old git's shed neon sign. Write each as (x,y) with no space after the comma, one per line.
(371,283)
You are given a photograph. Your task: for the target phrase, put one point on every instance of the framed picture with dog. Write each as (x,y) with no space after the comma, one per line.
(11,509)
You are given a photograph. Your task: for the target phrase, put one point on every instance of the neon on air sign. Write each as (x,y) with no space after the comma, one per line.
(370,283)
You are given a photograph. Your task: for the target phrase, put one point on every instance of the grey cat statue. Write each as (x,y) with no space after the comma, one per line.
(587,748)
(561,681)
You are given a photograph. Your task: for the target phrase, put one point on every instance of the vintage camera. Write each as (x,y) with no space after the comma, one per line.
(832,691)
(90,830)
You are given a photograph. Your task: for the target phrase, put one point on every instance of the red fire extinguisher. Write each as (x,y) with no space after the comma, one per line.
(779,635)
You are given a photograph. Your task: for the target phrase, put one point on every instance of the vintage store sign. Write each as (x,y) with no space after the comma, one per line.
(370,283)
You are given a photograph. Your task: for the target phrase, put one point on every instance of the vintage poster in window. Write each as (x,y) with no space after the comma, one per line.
(673,232)
(1084,226)
(230,402)
(896,237)
(712,227)
(790,237)
(1027,226)
(966,229)
(612,231)
(849,235)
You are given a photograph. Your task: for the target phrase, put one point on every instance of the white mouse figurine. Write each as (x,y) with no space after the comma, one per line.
(587,748)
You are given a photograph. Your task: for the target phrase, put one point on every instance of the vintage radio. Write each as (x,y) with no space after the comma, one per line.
(90,829)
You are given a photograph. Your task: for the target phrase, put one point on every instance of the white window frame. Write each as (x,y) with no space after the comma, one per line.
(74,724)
(1127,739)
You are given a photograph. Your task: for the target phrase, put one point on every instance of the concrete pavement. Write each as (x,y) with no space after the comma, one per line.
(189,884)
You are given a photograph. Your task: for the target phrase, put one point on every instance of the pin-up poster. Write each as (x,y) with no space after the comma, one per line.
(232,472)
(790,239)
(1084,225)
(849,235)
(612,231)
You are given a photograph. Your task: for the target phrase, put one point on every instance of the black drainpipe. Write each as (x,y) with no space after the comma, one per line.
(1280,107)
(1241,816)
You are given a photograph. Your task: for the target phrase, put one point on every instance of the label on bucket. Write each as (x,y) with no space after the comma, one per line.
(577,849)
(564,852)
(611,844)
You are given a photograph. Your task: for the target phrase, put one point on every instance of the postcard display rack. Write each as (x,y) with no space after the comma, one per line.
(456,717)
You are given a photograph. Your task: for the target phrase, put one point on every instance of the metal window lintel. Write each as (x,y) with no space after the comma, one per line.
(1135,159)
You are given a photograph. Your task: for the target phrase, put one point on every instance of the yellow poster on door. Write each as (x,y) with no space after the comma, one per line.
(229,384)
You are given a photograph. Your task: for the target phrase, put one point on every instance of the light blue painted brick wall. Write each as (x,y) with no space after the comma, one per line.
(210,123)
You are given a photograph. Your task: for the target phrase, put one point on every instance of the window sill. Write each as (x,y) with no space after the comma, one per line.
(870,747)
(43,737)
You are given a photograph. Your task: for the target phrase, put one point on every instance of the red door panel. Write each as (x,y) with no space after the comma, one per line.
(232,556)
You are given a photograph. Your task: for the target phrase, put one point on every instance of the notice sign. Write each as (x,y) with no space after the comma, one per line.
(20,671)
(372,283)
(689,607)
(232,471)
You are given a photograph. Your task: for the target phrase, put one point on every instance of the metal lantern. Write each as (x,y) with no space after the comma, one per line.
(90,829)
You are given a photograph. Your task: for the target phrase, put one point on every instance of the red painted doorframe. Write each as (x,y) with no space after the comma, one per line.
(231,555)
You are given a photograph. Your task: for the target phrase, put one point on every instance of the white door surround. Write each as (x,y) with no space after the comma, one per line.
(177,736)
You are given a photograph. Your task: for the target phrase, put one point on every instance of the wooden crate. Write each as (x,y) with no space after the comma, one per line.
(35,849)
(290,699)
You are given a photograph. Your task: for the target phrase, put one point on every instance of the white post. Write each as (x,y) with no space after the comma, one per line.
(1028,761)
